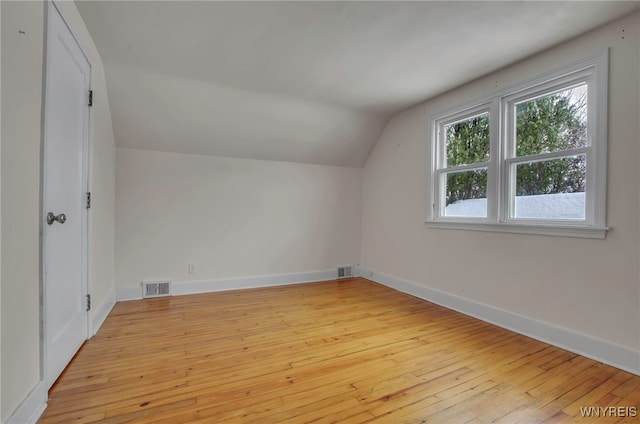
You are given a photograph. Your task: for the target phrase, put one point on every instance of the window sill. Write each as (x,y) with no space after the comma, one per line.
(536,229)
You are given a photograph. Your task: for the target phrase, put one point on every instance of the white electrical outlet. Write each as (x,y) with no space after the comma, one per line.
(192,268)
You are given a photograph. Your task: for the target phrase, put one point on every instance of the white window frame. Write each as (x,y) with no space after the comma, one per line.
(592,71)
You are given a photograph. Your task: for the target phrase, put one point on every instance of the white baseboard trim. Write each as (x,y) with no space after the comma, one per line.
(239,283)
(103,311)
(31,408)
(595,348)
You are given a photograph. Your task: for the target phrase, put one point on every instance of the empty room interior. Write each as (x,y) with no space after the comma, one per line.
(318,211)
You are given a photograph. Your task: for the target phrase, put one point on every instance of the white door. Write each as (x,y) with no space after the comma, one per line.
(66,135)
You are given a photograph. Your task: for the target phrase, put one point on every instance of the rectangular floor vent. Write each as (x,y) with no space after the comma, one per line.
(345,271)
(156,289)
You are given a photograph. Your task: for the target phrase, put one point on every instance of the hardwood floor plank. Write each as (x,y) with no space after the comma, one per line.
(598,386)
(410,395)
(306,412)
(348,351)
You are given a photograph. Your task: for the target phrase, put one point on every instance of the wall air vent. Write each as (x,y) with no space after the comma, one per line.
(156,289)
(345,271)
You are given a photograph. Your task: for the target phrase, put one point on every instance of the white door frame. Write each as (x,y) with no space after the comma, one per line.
(52,7)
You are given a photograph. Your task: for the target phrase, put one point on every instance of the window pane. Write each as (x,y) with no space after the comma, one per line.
(466,193)
(552,123)
(467,142)
(553,189)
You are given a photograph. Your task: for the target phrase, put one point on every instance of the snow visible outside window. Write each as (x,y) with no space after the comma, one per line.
(544,206)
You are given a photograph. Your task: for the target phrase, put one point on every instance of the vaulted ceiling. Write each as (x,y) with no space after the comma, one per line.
(311,82)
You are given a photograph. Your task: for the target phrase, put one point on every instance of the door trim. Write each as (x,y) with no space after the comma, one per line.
(53,7)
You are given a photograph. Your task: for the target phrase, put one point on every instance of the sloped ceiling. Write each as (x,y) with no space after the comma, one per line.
(311,82)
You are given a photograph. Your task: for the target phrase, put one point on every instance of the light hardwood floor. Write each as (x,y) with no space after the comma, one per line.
(346,351)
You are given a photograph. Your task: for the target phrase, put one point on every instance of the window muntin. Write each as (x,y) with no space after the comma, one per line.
(519,180)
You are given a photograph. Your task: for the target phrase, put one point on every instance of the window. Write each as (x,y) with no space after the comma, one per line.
(530,158)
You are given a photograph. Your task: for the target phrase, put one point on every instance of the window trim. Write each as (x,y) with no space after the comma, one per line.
(592,71)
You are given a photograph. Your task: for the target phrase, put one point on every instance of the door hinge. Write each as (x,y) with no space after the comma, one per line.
(90,97)
(88,203)
(88,302)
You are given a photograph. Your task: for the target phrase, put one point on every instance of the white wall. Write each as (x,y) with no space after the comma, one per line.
(231,217)
(0,227)
(21,100)
(590,287)
(22,73)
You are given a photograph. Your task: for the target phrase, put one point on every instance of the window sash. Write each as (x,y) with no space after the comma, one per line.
(513,105)
(442,184)
(471,112)
(510,196)
(464,118)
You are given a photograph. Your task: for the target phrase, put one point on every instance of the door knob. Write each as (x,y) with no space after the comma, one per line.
(51,218)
